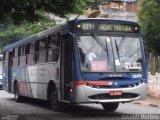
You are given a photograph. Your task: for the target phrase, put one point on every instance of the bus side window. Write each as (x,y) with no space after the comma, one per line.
(27,49)
(3,58)
(6,55)
(22,50)
(15,57)
(13,53)
(5,61)
(53,48)
(22,56)
(30,54)
(16,52)
(37,51)
(42,50)
(19,54)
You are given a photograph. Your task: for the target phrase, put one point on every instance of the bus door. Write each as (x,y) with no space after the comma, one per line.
(66,66)
(10,62)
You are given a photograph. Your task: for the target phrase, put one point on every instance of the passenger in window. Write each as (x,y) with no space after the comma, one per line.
(91,55)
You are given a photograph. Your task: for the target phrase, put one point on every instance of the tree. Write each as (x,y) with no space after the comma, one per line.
(26,10)
(10,33)
(149,16)
(22,18)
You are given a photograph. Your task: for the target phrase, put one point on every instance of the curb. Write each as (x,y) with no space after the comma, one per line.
(146,104)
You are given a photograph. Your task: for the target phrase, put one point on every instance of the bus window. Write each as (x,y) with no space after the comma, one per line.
(5,63)
(42,50)
(15,57)
(27,48)
(37,46)
(13,52)
(22,56)
(19,54)
(53,48)
(22,50)
(6,55)
(30,55)
(32,48)
(36,51)
(19,51)
(16,52)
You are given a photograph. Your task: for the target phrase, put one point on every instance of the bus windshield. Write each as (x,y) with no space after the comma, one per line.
(102,53)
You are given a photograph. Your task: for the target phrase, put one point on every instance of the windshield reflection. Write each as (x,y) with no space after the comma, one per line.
(109,54)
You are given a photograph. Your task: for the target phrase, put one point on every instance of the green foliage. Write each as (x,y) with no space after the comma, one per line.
(26,10)
(149,16)
(10,33)
(22,18)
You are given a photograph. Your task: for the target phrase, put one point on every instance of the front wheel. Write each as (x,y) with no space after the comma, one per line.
(17,97)
(110,107)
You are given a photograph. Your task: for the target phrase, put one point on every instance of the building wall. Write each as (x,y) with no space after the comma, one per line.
(120,10)
(154,85)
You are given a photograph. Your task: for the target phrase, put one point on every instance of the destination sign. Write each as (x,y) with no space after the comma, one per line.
(109,27)
(116,27)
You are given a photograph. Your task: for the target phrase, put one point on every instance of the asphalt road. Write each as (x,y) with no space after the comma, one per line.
(39,110)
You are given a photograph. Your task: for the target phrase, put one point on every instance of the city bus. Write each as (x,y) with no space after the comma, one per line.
(90,60)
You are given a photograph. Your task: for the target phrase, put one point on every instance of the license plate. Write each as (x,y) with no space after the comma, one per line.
(115,93)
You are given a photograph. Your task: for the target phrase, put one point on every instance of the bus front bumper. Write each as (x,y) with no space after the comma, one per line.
(87,94)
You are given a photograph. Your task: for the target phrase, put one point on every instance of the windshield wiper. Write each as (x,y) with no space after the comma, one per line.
(107,49)
(98,40)
(122,40)
(118,46)
(117,49)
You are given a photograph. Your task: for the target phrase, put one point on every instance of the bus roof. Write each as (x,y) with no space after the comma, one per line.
(57,28)
(108,19)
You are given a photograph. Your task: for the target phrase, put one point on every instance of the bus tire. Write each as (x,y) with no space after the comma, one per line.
(110,107)
(17,97)
(54,99)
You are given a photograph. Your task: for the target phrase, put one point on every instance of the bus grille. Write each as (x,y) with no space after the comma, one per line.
(120,86)
(107,96)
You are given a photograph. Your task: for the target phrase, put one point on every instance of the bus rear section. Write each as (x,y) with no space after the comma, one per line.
(112,63)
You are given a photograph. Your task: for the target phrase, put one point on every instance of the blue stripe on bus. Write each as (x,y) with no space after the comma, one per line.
(77,74)
(145,64)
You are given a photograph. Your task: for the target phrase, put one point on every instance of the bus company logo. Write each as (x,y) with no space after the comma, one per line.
(112,83)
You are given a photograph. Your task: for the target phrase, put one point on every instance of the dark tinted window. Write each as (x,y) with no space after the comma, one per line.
(41,53)
(53,48)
